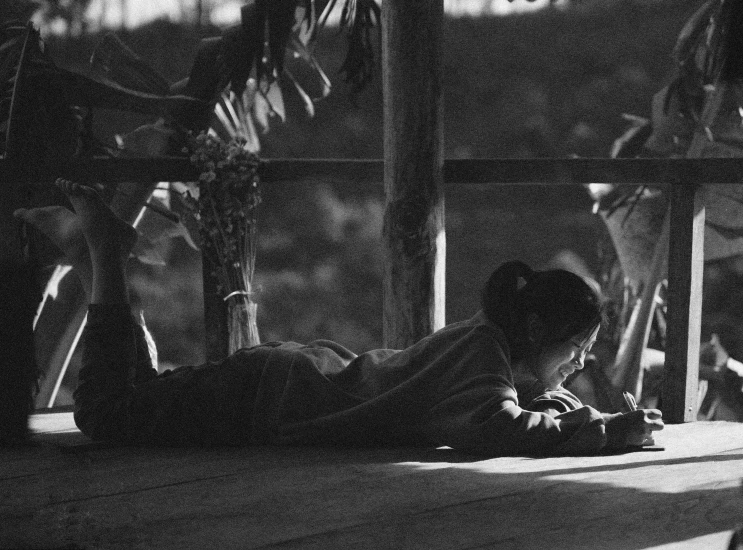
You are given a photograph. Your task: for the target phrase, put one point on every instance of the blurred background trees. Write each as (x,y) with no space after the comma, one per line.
(551,82)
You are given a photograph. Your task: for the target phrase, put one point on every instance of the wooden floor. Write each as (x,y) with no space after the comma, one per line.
(64,492)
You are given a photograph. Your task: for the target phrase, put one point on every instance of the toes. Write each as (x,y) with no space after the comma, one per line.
(64,185)
(21,214)
(73,188)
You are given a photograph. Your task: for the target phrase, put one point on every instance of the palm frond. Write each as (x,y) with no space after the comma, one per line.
(708,49)
(234,118)
(305,22)
(325,11)
(251,58)
(358,18)
(281,16)
(692,34)
(309,103)
(302,51)
(270,29)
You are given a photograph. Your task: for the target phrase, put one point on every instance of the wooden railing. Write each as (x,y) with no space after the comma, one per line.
(682,176)
(547,171)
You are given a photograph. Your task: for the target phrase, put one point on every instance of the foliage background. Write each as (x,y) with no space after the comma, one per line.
(552,83)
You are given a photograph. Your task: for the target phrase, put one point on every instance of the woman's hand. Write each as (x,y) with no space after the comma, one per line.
(633,428)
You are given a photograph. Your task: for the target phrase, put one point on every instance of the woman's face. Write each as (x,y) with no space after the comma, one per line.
(555,362)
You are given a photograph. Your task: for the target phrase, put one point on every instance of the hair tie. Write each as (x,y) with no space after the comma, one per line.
(521,282)
(527,275)
(237,293)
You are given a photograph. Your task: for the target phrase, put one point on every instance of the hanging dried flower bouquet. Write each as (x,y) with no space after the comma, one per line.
(224,204)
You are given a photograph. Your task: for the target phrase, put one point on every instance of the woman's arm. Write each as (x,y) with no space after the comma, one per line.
(575,432)
(470,422)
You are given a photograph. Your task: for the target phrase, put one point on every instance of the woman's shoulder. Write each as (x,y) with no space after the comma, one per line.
(476,327)
(462,338)
(461,335)
(478,321)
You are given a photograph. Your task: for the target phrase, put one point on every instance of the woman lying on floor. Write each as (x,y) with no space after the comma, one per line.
(491,385)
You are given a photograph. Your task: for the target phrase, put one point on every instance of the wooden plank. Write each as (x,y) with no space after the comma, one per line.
(558,171)
(413,230)
(58,493)
(685,270)
(545,171)
(542,171)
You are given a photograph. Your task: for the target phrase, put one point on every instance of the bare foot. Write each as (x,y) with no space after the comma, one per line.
(62,227)
(101,228)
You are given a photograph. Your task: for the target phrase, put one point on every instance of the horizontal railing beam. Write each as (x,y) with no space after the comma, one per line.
(594,170)
(546,171)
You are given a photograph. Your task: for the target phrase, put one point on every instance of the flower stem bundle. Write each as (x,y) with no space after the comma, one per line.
(224,203)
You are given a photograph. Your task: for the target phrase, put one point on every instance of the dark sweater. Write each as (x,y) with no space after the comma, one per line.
(452,388)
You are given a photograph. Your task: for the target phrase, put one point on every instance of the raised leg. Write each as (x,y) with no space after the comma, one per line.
(109,240)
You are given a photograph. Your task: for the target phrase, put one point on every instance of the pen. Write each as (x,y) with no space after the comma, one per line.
(629,399)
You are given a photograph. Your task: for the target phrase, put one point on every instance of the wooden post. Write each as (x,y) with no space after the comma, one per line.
(19,297)
(414,238)
(685,272)
(19,294)
(685,269)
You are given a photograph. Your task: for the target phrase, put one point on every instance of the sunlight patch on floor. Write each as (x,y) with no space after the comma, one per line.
(635,474)
(716,541)
(642,479)
(61,422)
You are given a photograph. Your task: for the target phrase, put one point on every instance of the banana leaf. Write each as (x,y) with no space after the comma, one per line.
(723,235)
(113,61)
(78,89)
(35,121)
